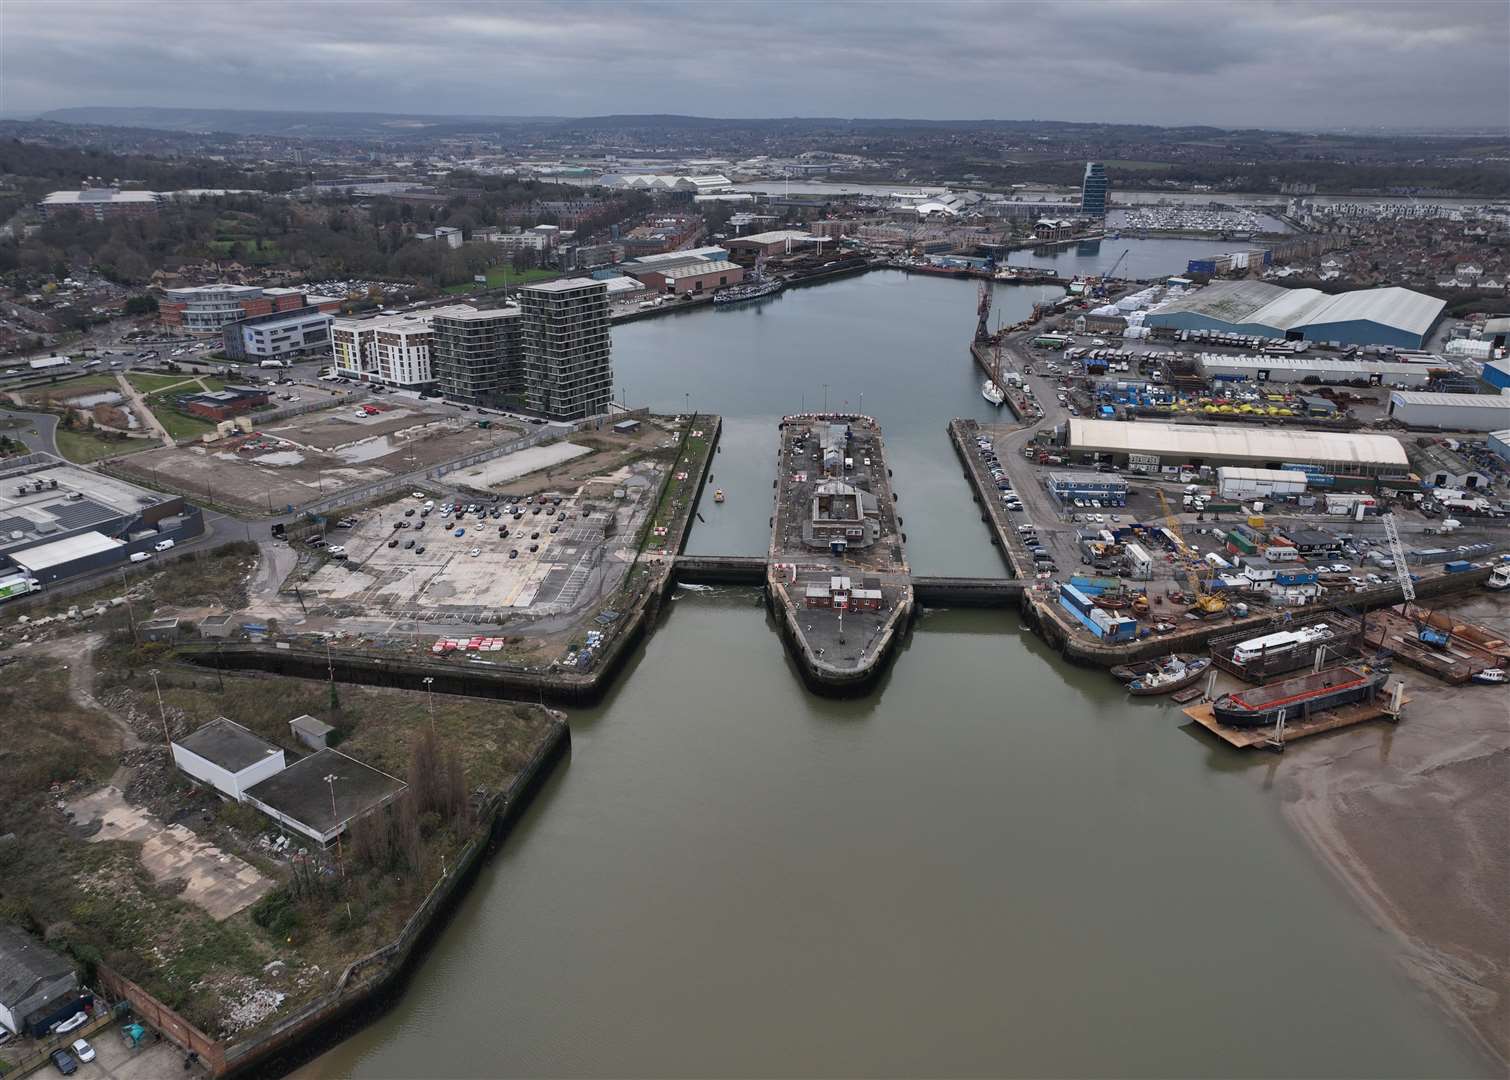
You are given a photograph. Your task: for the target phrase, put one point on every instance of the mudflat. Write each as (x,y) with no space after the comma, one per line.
(1416,820)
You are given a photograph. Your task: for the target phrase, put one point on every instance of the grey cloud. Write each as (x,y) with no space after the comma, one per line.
(1274,64)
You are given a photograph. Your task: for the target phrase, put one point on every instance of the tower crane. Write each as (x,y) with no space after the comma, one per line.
(1204,604)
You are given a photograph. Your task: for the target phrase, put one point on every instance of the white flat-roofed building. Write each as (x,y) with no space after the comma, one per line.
(1348,453)
(227,756)
(1451,412)
(71,555)
(1327,371)
(101,203)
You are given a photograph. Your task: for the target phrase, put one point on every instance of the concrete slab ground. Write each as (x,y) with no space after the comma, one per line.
(115,1060)
(486,476)
(220,883)
(582,558)
(304,458)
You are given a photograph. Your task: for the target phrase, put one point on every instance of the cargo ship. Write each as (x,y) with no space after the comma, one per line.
(1298,697)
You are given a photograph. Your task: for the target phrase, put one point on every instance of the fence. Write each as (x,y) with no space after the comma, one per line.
(164,1019)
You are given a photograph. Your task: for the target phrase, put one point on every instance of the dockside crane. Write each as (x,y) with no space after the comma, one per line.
(983,313)
(1100,289)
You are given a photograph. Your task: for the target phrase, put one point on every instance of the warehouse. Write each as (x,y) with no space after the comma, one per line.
(44,499)
(1325,371)
(64,558)
(694,278)
(1195,445)
(1451,412)
(1391,316)
(779,242)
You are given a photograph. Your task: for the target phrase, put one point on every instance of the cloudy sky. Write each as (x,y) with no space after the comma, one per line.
(1293,64)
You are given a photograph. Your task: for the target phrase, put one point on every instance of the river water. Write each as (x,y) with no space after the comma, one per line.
(996,864)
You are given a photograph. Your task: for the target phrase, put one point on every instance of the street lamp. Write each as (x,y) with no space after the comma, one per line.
(161,711)
(429,682)
(330,781)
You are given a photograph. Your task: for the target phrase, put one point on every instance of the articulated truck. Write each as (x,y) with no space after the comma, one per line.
(13,585)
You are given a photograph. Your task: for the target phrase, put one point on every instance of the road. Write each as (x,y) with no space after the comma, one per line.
(40,435)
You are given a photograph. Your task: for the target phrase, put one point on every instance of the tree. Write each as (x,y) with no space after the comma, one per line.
(141,304)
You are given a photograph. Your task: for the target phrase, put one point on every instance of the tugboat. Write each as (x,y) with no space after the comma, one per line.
(1174,674)
(1262,705)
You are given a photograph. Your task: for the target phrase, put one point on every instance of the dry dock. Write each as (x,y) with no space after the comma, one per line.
(837,577)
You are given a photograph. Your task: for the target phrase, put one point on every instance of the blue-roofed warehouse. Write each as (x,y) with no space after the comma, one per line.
(1397,317)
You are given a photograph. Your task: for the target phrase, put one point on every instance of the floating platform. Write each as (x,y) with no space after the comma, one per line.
(1330,720)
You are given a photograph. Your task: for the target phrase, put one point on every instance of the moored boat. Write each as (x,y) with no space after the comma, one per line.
(1261,706)
(735,294)
(1129,672)
(992,393)
(1175,674)
(1490,676)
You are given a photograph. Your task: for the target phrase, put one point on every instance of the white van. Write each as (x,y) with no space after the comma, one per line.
(140,556)
(162,545)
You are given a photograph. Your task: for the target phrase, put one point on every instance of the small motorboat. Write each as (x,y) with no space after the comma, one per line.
(1173,675)
(1129,672)
(1491,676)
(718,496)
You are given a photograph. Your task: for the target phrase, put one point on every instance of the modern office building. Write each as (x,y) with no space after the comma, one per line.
(1093,190)
(207,309)
(279,335)
(475,355)
(568,373)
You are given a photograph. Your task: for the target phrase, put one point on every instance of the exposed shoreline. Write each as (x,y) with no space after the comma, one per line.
(1415,821)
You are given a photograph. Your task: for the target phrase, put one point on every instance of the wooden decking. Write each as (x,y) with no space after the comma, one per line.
(1242,737)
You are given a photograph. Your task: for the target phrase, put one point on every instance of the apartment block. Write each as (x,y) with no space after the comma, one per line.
(390,349)
(568,373)
(475,355)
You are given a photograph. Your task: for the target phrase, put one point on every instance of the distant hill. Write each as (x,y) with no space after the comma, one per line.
(289,124)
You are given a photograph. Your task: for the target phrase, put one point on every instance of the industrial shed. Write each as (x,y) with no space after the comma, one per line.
(324,793)
(227,756)
(1233,444)
(1327,371)
(1451,412)
(1391,316)
(72,555)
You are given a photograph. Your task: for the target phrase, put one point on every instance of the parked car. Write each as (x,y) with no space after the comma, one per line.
(514,553)
(408,544)
(475,552)
(460,532)
(64,1062)
(420,550)
(82,1050)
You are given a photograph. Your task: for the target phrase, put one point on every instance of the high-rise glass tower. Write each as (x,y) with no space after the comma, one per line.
(1093,190)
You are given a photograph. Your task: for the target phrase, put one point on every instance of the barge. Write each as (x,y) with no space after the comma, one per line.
(1296,698)
(837,576)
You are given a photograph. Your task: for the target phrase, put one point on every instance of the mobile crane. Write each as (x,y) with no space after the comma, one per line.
(1204,605)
